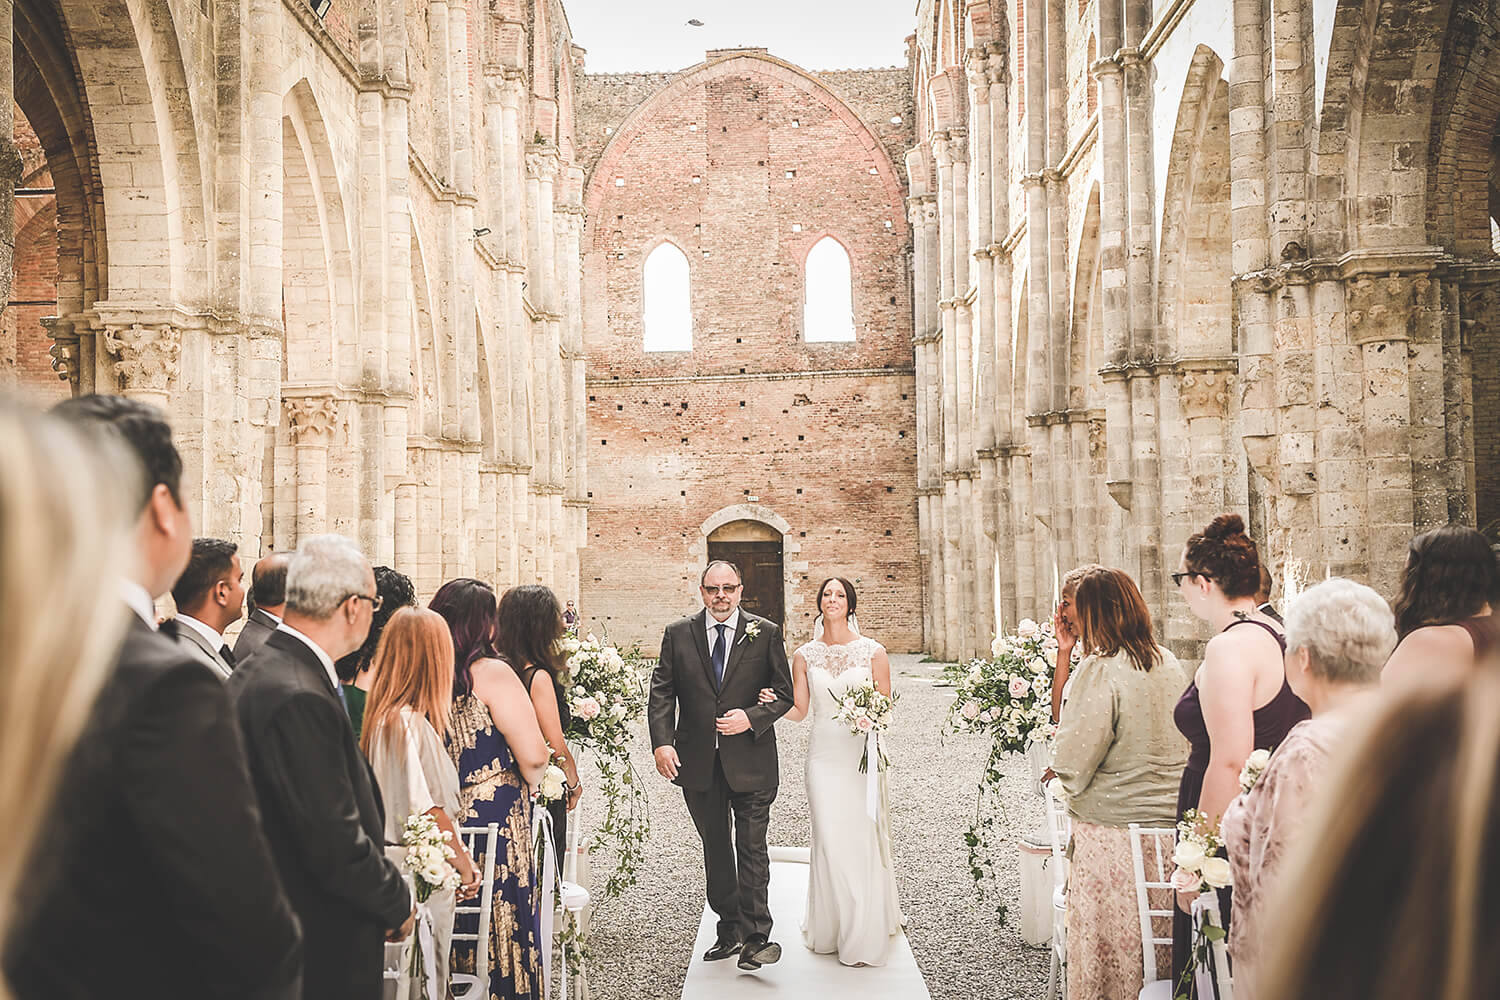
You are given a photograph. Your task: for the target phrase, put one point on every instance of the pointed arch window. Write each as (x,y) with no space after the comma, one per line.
(828,310)
(668,312)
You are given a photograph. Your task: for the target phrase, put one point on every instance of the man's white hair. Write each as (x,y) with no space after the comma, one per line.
(324,571)
(1347,629)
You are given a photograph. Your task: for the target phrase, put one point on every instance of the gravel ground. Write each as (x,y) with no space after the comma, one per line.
(641,941)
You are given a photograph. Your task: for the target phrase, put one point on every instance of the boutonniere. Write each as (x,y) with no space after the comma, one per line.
(752,629)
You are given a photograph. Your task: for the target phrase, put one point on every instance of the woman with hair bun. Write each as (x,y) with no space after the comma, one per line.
(1239,700)
(1448,590)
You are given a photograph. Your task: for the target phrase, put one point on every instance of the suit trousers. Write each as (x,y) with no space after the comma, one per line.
(738,873)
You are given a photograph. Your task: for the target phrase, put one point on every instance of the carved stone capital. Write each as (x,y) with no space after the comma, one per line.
(65,360)
(1383,308)
(312,419)
(147,356)
(1097,438)
(541,165)
(1480,312)
(1204,393)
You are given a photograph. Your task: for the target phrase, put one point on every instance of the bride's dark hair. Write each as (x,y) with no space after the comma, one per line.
(848,593)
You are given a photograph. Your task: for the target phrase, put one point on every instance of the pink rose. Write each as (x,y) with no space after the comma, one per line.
(588,709)
(970,710)
(1185,881)
(863,724)
(1018,687)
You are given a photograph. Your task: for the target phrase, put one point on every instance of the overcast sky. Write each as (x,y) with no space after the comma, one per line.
(637,35)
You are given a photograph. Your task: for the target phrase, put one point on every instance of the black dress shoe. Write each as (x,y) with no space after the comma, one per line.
(758,951)
(721,950)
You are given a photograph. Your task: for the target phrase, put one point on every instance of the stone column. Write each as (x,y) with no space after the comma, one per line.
(311,421)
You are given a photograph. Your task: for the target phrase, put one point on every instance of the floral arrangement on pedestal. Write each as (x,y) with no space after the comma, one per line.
(1007,697)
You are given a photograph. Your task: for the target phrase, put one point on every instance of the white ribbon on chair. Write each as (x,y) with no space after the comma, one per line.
(872,775)
(425,941)
(541,837)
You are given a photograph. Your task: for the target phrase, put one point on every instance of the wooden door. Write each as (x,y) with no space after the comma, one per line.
(760,566)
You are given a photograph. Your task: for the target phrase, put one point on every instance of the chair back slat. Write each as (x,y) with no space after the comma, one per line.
(1059,831)
(1213,979)
(1161,841)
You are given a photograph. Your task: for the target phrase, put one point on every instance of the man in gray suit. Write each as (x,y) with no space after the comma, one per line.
(210,597)
(267,603)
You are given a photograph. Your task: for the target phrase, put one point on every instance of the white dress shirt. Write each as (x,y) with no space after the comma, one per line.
(139,601)
(215,639)
(323,658)
(732,621)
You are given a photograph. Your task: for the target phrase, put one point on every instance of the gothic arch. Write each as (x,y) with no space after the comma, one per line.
(1084,326)
(426,389)
(1194,303)
(752,64)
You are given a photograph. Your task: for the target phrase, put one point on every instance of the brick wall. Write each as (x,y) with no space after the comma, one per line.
(33,292)
(821,434)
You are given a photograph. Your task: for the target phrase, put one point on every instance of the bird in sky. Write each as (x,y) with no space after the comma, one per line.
(696,23)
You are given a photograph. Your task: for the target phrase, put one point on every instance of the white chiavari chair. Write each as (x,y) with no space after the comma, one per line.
(1153,872)
(463,985)
(1213,978)
(1059,830)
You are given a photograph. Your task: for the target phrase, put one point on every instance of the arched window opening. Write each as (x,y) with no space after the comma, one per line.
(828,312)
(668,313)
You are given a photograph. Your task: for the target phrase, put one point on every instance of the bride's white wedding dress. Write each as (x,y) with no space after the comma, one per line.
(852,907)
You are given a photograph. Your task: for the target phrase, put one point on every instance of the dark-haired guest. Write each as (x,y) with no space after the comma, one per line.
(1263,596)
(157,878)
(1117,755)
(267,603)
(357,670)
(1443,611)
(210,597)
(1239,700)
(497,746)
(530,625)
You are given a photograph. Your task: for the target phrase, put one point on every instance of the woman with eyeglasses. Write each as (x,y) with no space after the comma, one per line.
(1239,699)
(1443,612)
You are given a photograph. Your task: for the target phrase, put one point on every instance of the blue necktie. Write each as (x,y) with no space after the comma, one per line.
(719,649)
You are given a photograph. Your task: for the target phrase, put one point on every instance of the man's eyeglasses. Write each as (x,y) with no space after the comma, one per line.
(727,589)
(375,602)
(1177,578)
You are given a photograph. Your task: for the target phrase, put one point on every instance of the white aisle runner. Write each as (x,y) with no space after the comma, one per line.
(800,973)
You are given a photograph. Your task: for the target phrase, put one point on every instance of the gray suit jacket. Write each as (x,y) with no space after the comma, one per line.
(258,628)
(199,648)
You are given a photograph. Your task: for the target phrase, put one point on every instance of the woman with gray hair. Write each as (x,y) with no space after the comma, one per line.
(1338,636)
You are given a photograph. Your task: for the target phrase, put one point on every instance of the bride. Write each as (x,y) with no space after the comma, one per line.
(851,894)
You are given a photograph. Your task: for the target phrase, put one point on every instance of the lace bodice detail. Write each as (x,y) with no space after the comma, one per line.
(836,660)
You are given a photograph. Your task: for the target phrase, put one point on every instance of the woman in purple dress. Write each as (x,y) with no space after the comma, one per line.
(1239,699)
(498,749)
(1444,612)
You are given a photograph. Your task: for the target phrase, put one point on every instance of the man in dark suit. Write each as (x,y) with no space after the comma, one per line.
(210,597)
(712,737)
(155,879)
(321,806)
(267,603)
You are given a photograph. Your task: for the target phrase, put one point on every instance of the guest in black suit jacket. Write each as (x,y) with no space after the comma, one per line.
(322,809)
(155,879)
(712,737)
(267,603)
(210,597)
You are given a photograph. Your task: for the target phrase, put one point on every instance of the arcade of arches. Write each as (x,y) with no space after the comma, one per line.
(1113,265)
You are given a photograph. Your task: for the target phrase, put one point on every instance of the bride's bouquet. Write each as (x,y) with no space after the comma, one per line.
(428,853)
(867,713)
(1009,695)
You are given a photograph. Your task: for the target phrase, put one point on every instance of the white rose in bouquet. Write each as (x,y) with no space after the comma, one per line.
(997,647)
(1188,855)
(1217,873)
(553,784)
(1028,629)
(970,710)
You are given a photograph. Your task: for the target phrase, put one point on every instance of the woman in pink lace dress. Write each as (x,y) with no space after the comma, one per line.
(1338,635)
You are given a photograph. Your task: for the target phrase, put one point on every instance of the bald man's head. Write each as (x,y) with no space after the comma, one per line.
(268,583)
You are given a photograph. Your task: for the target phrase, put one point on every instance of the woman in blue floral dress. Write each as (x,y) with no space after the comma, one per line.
(497,746)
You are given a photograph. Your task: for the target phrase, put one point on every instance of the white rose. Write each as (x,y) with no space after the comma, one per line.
(997,646)
(1028,629)
(1217,873)
(1258,759)
(1188,855)
(1012,730)
(976,675)
(970,710)
(551,785)
(986,717)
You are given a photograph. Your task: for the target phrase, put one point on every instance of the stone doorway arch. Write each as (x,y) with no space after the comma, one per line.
(762,544)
